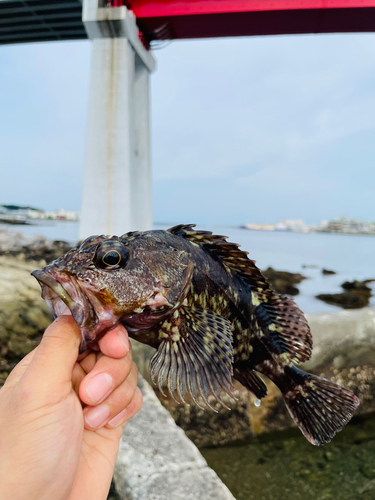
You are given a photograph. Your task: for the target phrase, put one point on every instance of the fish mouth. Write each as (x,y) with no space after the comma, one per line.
(71,295)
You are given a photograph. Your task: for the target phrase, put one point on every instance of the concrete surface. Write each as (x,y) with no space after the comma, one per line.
(156,461)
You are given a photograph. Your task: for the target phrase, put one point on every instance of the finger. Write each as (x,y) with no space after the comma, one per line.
(89,361)
(83,354)
(19,370)
(57,353)
(105,376)
(115,343)
(120,398)
(127,413)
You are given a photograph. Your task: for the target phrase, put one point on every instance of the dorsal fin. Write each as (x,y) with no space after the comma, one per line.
(279,314)
(228,253)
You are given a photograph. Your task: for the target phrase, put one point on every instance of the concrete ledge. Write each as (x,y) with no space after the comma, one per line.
(156,460)
(342,330)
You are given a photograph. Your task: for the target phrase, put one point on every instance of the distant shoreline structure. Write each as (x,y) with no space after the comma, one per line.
(17,215)
(342,225)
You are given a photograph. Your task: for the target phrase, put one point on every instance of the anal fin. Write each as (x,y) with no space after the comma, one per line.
(195,355)
(251,380)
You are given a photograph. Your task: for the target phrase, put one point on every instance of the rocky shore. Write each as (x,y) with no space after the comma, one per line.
(344,348)
(156,459)
(344,351)
(30,248)
(23,314)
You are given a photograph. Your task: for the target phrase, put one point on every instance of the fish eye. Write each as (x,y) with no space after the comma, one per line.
(113,256)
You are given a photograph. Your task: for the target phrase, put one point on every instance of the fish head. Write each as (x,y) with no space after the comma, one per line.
(138,279)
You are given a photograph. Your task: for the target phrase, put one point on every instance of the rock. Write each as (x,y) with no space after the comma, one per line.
(368,487)
(156,461)
(342,333)
(35,247)
(329,456)
(283,282)
(23,314)
(357,285)
(368,471)
(327,272)
(142,354)
(357,295)
(208,428)
(339,362)
(347,300)
(344,351)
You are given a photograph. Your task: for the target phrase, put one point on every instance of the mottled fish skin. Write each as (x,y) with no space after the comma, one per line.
(208,311)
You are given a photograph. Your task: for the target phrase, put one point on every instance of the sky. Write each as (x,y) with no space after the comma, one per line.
(243,130)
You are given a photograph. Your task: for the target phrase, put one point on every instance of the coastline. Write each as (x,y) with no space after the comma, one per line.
(261,437)
(305,232)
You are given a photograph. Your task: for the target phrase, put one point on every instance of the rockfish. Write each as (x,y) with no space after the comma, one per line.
(207,309)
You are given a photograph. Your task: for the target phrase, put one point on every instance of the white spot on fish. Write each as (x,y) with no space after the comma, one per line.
(257,402)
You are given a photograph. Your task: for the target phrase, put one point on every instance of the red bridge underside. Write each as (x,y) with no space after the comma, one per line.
(170,19)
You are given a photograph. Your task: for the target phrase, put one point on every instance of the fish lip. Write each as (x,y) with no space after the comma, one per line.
(82,311)
(46,279)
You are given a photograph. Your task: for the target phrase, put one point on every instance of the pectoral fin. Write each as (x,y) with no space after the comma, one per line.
(195,355)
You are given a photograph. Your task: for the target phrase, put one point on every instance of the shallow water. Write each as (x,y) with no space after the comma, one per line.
(284,466)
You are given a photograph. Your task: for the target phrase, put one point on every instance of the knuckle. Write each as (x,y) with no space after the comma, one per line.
(135,404)
(138,400)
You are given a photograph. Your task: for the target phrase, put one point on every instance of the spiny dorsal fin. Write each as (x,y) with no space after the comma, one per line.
(228,253)
(278,314)
(195,355)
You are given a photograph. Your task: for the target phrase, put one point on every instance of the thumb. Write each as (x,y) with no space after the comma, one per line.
(57,353)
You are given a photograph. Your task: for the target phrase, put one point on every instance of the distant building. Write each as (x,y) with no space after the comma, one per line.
(296,226)
(63,215)
(259,227)
(344,225)
(18,213)
(347,225)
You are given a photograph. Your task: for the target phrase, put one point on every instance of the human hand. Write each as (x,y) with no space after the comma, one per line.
(61,420)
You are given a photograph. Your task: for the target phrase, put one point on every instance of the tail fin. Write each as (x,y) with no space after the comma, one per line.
(318,406)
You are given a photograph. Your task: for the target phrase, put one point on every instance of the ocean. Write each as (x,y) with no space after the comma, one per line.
(350,256)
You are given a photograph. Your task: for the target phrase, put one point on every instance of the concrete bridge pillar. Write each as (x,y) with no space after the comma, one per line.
(117,172)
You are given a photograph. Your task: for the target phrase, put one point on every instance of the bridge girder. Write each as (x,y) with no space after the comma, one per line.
(184,19)
(24,21)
